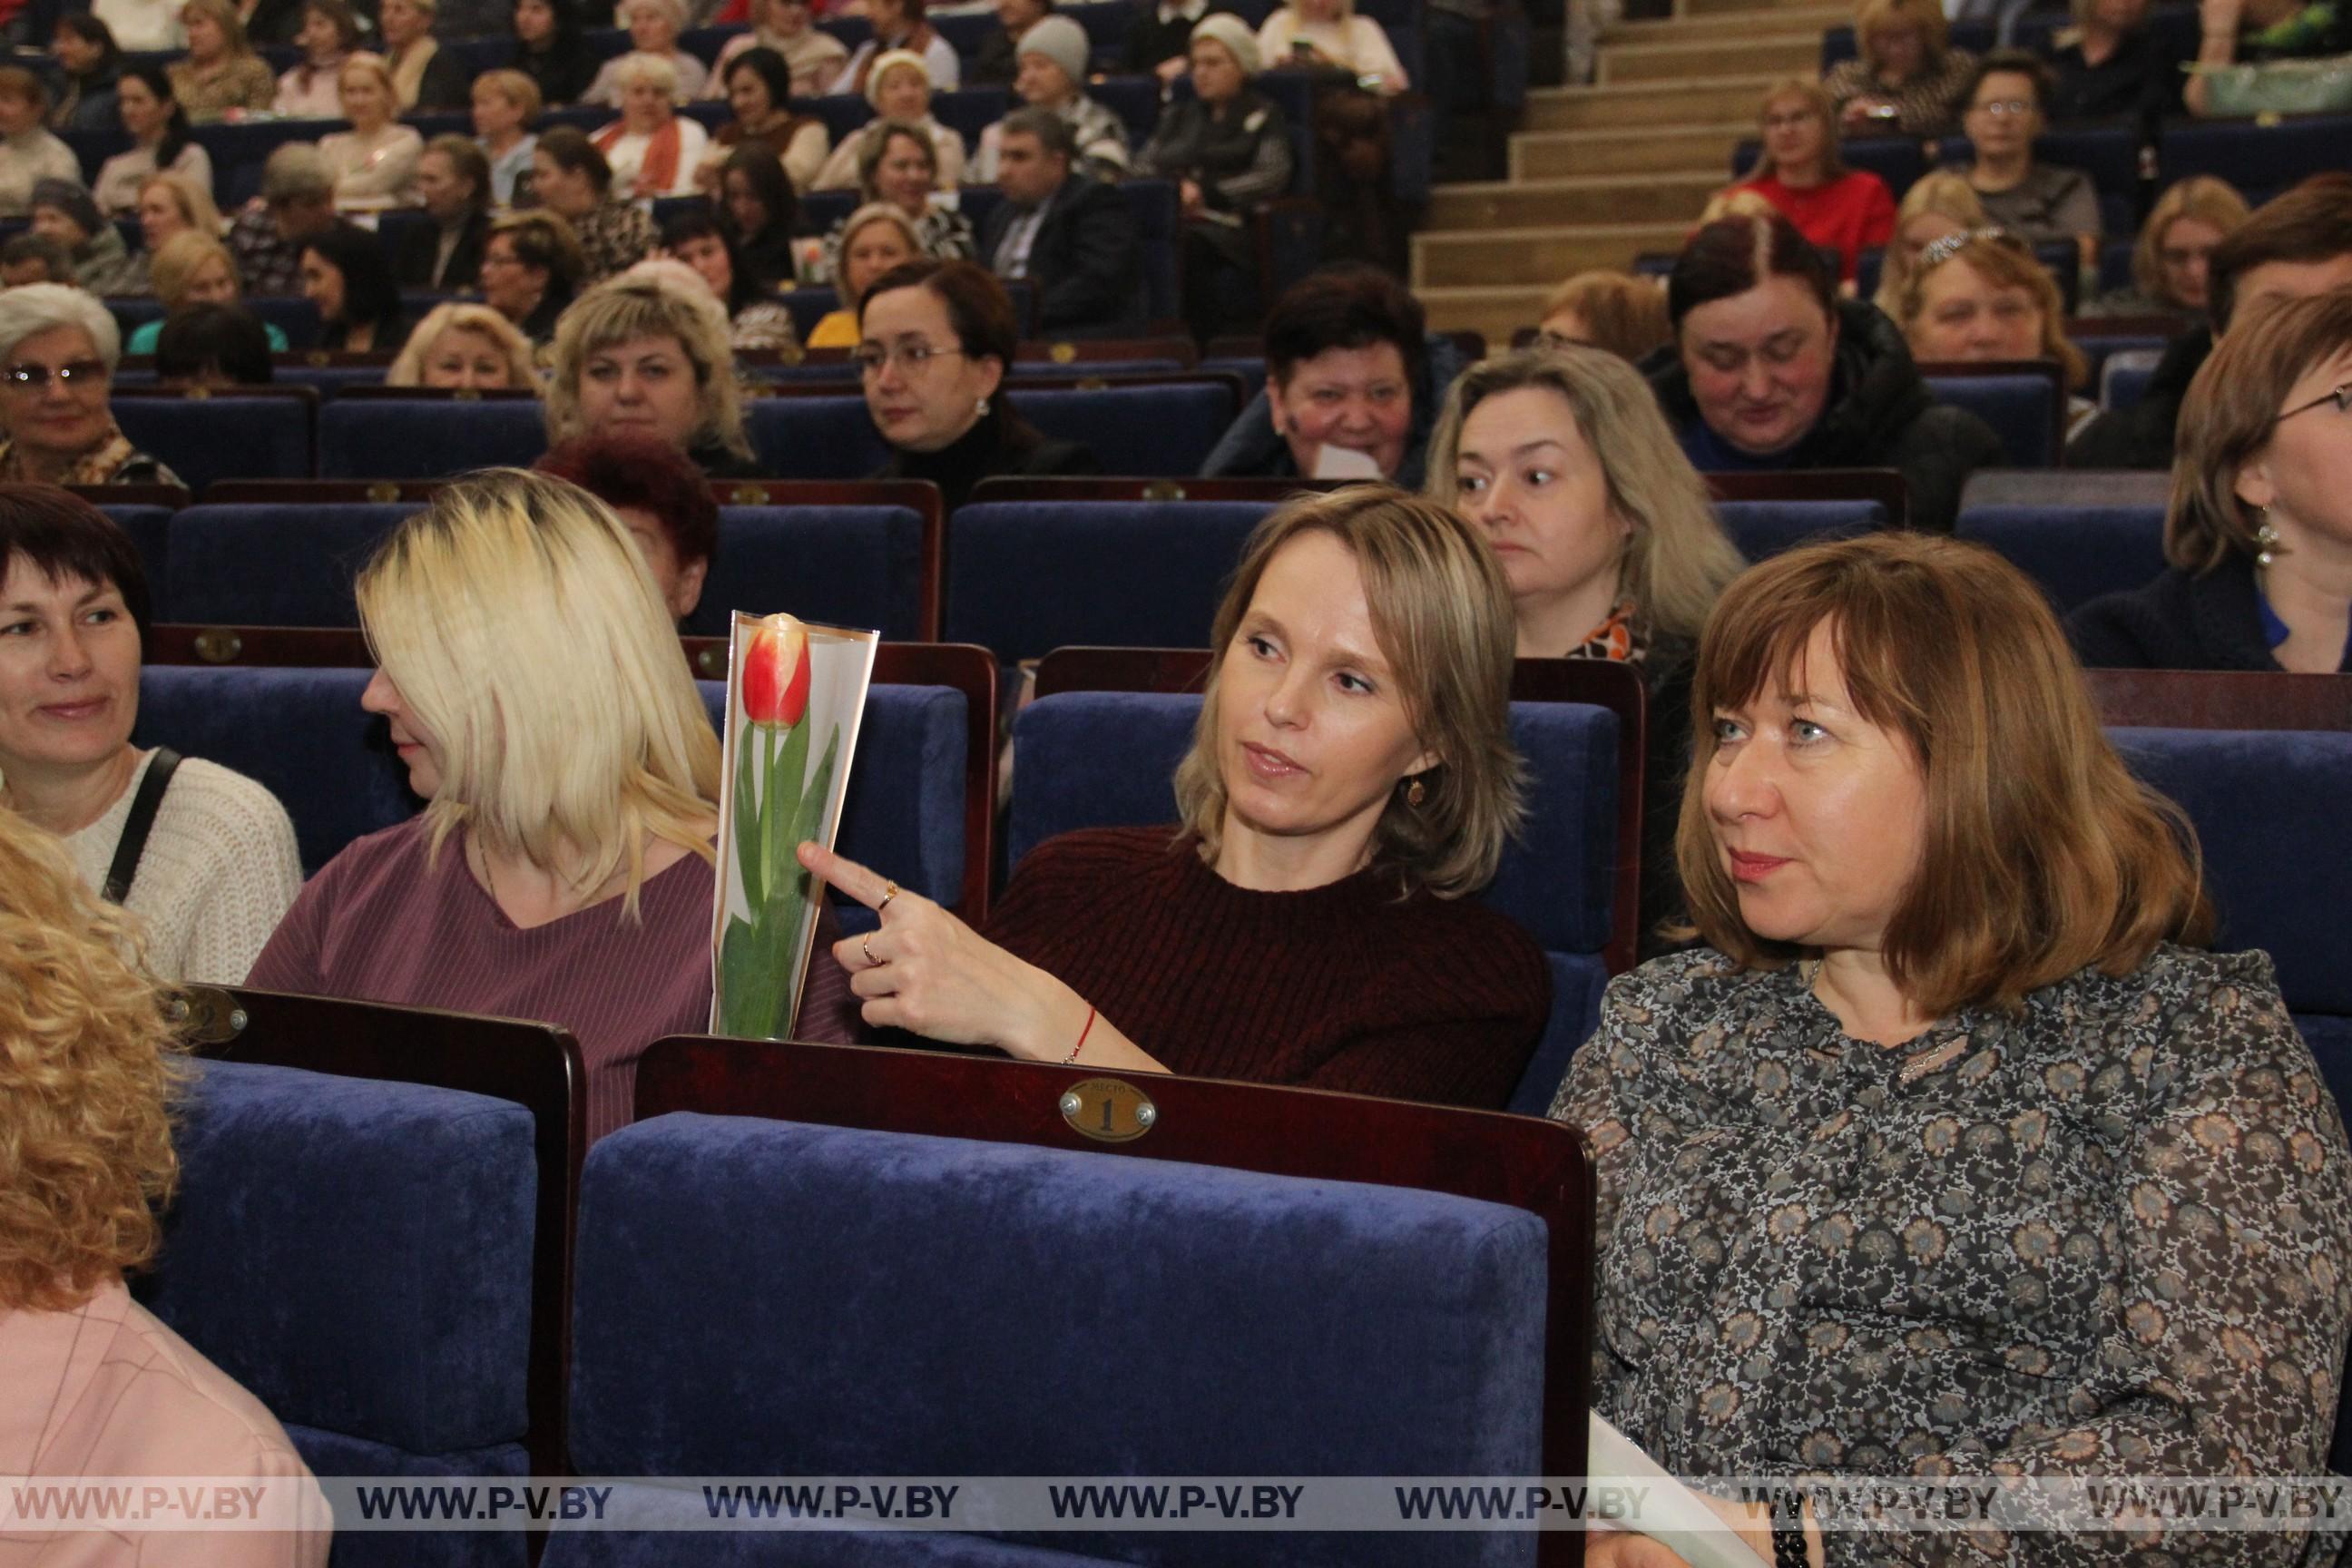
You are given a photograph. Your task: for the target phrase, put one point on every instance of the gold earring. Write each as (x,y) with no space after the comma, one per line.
(2267,547)
(1414,795)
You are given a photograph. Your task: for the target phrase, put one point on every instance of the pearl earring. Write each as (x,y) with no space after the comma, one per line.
(981,408)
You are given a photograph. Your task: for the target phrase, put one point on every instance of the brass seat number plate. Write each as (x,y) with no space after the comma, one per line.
(1108,1111)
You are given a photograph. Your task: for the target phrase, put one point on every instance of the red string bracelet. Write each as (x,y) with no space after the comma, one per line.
(1082,1037)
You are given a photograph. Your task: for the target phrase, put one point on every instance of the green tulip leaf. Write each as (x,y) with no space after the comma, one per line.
(747,823)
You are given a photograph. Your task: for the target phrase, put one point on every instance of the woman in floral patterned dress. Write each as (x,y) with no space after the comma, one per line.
(1952,1153)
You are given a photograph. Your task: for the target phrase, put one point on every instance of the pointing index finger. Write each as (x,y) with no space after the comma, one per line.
(845,873)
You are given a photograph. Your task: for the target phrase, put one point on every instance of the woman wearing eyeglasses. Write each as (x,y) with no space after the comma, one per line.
(2260,535)
(935,341)
(2036,200)
(1801,173)
(58,348)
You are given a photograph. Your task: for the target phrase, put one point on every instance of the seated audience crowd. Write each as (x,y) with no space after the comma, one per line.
(1935,1128)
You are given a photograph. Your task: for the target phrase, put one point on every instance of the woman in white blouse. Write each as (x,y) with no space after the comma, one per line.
(1328,33)
(159,142)
(312,88)
(374,162)
(220,866)
(653,149)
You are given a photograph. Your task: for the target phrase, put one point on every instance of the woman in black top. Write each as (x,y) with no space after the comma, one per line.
(553,54)
(2260,532)
(347,275)
(936,339)
(1228,148)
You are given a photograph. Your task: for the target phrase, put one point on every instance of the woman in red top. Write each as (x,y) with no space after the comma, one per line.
(1801,172)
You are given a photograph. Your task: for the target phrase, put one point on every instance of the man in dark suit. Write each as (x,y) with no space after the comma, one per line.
(1072,239)
(444,256)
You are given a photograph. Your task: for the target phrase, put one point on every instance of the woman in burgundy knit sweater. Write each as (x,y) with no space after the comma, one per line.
(561,868)
(1351,778)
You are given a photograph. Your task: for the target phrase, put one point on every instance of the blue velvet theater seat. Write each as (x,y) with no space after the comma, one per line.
(357,1254)
(858,566)
(274,565)
(1765,528)
(905,810)
(150,528)
(1151,431)
(1028,577)
(1106,759)
(301,732)
(2022,409)
(428,439)
(222,437)
(2076,554)
(771,1298)
(2272,811)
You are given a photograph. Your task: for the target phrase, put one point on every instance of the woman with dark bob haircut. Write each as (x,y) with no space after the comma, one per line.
(1951,1153)
(2260,534)
(1351,778)
(1775,371)
(218,864)
(935,341)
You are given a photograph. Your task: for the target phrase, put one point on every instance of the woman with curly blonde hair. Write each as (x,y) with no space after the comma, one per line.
(644,356)
(465,346)
(87,1069)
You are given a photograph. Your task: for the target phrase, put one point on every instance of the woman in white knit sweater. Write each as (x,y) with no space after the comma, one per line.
(219,868)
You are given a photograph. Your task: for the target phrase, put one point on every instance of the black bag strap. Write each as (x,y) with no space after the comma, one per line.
(139,824)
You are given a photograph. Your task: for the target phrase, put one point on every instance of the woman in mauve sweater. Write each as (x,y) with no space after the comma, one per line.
(1351,778)
(562,869)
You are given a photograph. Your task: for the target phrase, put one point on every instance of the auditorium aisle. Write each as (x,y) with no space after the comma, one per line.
(1602,174)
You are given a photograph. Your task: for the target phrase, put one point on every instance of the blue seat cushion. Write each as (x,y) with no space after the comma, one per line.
(1762,529)
(2272,811)
(857,566)
(1027,578)
(1108,759)
(274,565)
(357,1253)
(1576,982)
(765,1297)
(904,812)
(2074,553)
(332,1454)
(2021,410)
(150,528)
(221,437)
(428,439)
(299,732)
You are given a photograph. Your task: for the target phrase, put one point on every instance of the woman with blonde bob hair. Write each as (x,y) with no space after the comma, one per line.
(1906,79)
(2260,533)
(1952,948)
(561,868)
(1984,295)
(467,347)
(1940,204)
(1351,778)
(1608,309)
(2172,262)
(193,269)
(1607,536)
(88,1070)
(640,355)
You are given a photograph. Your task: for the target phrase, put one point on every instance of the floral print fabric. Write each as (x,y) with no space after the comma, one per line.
(2109,1236)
